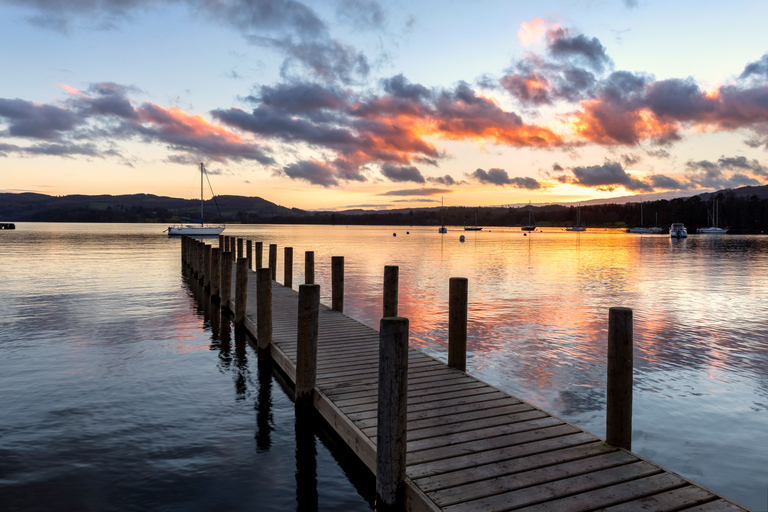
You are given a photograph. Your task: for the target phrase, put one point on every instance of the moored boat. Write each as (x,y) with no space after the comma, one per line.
(194,229)
(578,226)
(677,230)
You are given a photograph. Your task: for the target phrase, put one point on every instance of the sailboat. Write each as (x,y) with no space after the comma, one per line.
(713,229)
(202,229)
(641,229)
(442,229)
(531,226)
(578,226)
(656,230)
(475,227)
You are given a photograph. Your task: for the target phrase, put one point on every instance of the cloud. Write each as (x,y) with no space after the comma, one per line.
(399,173)
(500,178)
(313,172)
(708,174)
(36,121)
(416,192)
(446,180)
(562,45)
(608,176)
(532,32)
(741,162)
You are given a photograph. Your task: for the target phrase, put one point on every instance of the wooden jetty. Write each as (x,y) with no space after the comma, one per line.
(467,445)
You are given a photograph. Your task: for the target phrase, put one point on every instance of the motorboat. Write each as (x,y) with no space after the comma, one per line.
(677,230)
(194,229)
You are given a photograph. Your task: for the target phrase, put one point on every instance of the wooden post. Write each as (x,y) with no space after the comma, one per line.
(392,413)
(457,323)
(226,243)
(193,262)
(309,267)
(183,249)
(391,274)
(249,253)
(207,267)
(259,248)
(273,260)
(288,267)
(240,253)
(221,243)
(225,286)
(233,247)
(241,292)
(215,275)
(264,308)
(337,283)
(618,420)
(306,350)
(200,261)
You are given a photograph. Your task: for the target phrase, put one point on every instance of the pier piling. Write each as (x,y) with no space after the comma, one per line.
(619,408)
(457,323)
(258,248)
(309,267)
(288,267)
(273,260)
(249,253)
(207,268)
(306,349)
(241,292)
(225,285)
(391,434)
(215,274)
(337,283)
(240,252)
(391,275)
(264,308)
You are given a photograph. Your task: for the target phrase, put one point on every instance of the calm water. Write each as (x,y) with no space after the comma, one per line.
(116,386)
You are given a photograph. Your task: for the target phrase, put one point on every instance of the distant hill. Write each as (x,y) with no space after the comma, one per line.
(33,207)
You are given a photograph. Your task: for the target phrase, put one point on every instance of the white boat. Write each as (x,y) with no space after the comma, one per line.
(475,227)
(531,221)
(641,230)
(678,230)
(194,229)
(713,229)
(656,230)
(442,229)
(578,226)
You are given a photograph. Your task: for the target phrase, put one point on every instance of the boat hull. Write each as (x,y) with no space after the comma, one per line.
(195,230)
(576,228)
(472,229)
(528,228)
(712,231)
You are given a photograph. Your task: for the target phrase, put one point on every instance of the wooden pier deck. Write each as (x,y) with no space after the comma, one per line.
(470,446)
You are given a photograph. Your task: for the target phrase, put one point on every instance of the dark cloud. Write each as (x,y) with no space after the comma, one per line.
(630,159)
(312,171)
(608,176)
(446,180)
(741,162)
(417,192)
(589,51)
(36,121)
(681,100)
(557,167)
(708,174)
(500,178)
(400,173)
(399,87)
(665,182)
(300,97)
(759,68)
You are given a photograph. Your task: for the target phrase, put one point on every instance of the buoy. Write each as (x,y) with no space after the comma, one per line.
(525,234)
(407,232)
(394,234)
(461,238)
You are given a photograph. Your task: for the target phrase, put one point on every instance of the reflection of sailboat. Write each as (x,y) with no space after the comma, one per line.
(202,229)
(641,229)
(713,229)
(442,229)
(578,226)
(531,226)
(473,228)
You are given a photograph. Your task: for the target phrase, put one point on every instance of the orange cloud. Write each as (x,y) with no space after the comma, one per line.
(532,32)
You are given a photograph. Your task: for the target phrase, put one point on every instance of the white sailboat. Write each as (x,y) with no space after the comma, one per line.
(195,230)
(641,229)
(475,227)
(531,226)
(578,226)
(442,229)
(713,229)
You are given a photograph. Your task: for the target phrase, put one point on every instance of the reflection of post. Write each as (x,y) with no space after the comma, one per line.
(249,253)
(264,309)
(391,418)
(619,407)
(215,274)
(264,405)
(226,279)
(225,335)
(337,283)
(241,292)
(241,361)
(273,260)
(215,324)
(457,323)
(306,347)
(391,274)
(288,267)
(258,247)
(306,461)
(309,267)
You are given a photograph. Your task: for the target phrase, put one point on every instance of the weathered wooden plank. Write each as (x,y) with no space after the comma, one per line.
(719,505)
(417,393)
(671,500)
(436,406)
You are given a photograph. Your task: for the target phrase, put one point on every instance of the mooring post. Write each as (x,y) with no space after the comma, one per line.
(233,247)
(249,253)
(207,268)
(258,247)
(392,410)
(215,275)
(618,420)
(306,350)
(288,267)
(193,260)
(200,261)
(240,252)
(273,260)
(183,248)
(309,267)
(226,243)
(457,323)
(391,275)
(241,292)
(264,308)
(225,285)
(221,243)
(337,283)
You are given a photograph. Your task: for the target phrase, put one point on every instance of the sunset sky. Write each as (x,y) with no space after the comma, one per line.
(344,104)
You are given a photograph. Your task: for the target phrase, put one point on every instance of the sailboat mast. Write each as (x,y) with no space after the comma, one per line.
(201,193)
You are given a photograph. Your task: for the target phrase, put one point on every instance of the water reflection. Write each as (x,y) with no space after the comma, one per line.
(264,419)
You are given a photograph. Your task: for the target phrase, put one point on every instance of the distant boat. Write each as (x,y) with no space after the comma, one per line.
(475,227)
(641,229)
(202,229)
(656,230)
(531,226)
(678,230)
(715,216)
(442,229)
(578,226)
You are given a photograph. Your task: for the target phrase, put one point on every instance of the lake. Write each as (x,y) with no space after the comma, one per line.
(120,394)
